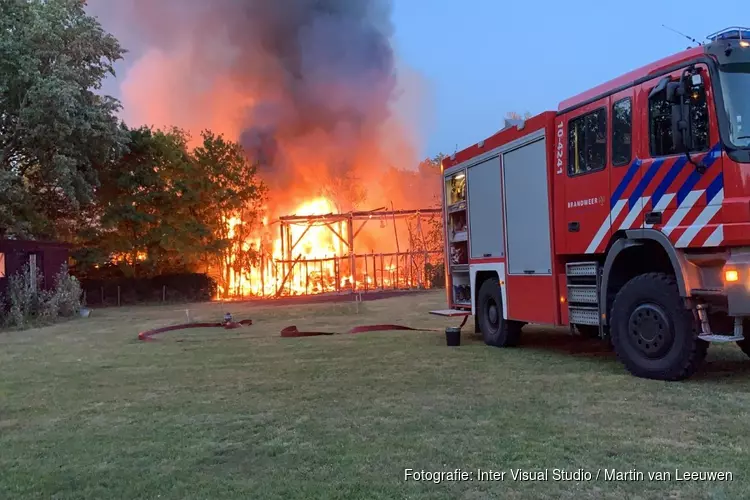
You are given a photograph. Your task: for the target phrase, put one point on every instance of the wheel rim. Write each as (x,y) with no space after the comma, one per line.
(649,331)
(492,314)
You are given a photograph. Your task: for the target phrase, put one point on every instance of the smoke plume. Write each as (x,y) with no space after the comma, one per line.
(307,86)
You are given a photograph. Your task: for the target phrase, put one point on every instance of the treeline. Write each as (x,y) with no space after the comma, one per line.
(134,202)
(166,208)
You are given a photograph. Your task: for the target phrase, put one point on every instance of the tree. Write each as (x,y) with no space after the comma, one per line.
(346,191)
(164,208)
(429,171)
(512,115)
(227,199)
(135,204)
(55,130)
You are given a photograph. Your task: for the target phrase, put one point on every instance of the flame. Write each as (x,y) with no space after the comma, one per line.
(314,258)
(315,247)
(127,258)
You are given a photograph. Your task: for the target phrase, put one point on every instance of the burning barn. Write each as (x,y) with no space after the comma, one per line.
(342,252)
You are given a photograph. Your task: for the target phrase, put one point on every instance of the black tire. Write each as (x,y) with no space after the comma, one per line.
(496,330)
(588,331)
(653,333)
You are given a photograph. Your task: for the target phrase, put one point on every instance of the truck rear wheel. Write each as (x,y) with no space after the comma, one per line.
(653,334)
(496,330)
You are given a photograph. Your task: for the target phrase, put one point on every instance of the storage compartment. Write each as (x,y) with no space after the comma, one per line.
(456,224)
(459,253)
(461,288)
(455,190)
(485,213)
(458,230)
(527,208)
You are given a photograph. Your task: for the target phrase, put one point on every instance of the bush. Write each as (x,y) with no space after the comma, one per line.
(27,303)
(66,296)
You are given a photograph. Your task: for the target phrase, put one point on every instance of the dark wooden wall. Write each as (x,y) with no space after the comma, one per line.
(50,258)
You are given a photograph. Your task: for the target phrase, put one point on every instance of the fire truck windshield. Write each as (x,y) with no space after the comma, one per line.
(735,86)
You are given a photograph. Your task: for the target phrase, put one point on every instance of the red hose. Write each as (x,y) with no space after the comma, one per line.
(148,334)
(292,331)
(289,331)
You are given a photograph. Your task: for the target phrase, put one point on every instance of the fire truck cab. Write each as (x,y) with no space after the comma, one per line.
(625,214)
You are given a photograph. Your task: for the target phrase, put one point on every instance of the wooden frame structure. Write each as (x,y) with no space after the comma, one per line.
(369,268)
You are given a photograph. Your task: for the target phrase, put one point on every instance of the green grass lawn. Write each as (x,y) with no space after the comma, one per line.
(87,411)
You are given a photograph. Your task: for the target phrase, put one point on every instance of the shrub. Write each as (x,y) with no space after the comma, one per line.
(27,303)
(24,300)
(66,294)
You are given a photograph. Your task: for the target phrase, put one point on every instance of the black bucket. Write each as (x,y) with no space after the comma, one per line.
(453,336)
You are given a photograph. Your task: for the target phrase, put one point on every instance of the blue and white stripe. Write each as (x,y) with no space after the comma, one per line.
(660,199)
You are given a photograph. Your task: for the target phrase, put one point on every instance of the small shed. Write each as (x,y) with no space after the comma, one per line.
(43,257)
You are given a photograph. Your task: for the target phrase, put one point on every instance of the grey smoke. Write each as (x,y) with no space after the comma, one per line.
(322,66)
(321,71)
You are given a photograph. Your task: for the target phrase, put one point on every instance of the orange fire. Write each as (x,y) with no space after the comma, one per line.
(315,247)
(314,258)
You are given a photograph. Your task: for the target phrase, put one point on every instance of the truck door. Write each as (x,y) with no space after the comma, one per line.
(587,183)
(626,183)
(678,199)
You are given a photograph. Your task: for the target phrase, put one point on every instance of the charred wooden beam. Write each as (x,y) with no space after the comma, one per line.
(329,218)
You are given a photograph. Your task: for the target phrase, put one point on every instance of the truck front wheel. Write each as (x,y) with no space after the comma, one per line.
(496,330)
(653,333)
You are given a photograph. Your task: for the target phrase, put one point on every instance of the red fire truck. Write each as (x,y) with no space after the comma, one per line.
(625,214)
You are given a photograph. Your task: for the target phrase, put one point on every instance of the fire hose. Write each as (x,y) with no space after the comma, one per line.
(289,331)
(227,325)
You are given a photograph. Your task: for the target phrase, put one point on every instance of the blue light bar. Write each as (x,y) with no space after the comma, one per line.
(733,33)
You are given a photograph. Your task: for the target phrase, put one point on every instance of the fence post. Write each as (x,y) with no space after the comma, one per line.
(164,293)
(323,285)
(398,263)
(307,278)
(118,295)
(382,272)
(102,295)
(84,298)
(336,263)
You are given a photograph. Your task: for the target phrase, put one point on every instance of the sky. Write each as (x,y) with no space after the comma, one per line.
(477,60)
(484,58)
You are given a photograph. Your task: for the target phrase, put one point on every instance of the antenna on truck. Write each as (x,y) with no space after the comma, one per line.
(682,34)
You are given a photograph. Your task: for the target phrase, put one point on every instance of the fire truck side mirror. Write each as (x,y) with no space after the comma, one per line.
(676,93)
(681,132)
(660,87)
(673,92)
